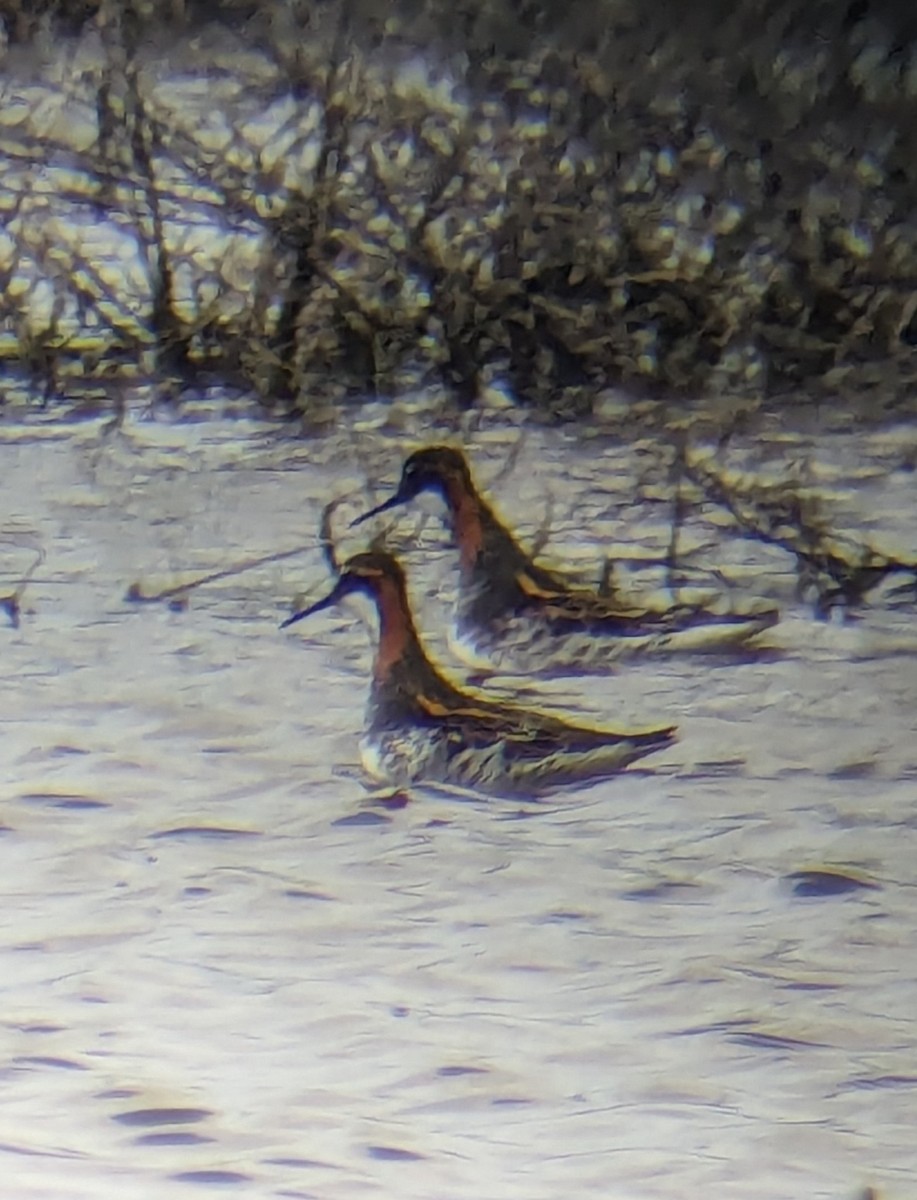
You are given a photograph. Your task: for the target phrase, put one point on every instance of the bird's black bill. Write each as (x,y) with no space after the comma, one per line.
(326,602)
(392,502)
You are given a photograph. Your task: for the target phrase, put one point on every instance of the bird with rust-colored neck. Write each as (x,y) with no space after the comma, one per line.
(525,617)
(419,727)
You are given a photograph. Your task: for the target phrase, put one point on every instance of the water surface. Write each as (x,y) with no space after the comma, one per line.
(225,969)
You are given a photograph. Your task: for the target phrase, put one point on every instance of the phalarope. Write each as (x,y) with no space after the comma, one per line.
(525,617)
(419,727)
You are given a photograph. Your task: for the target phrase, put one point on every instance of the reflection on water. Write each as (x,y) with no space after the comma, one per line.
(226,967)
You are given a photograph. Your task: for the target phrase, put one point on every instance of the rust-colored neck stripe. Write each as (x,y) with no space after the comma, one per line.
(396,627)
(467,525)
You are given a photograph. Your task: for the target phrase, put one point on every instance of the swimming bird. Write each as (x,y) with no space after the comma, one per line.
(526,617)
(420,727)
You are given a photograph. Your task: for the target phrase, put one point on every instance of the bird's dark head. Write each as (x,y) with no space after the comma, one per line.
(439,469)
(375,573)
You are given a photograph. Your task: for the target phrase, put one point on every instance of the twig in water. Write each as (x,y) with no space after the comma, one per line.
(840,569)
(11,604)
(673,578)
(178,594)
(509,463)
(541,537)
(326,535)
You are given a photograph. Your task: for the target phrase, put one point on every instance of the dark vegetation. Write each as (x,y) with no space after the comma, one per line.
(555,198)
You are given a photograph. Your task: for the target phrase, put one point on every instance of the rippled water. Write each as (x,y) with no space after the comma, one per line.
(225,968)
